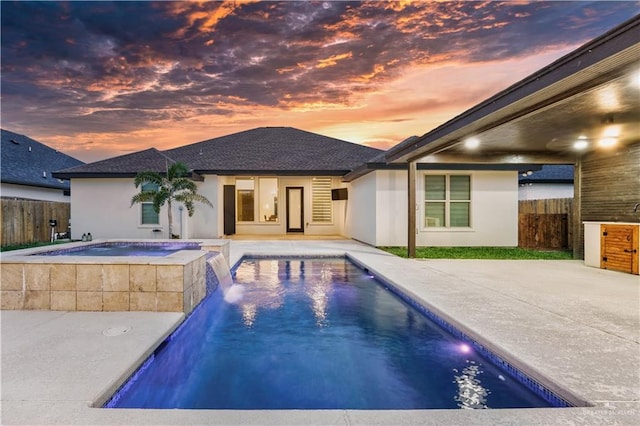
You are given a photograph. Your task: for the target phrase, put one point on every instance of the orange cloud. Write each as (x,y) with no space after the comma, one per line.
(332,60)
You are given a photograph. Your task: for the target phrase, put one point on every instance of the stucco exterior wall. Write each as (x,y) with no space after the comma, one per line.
(33,193)
(204,223)
(391,208)
(378,211)
(361,209)
(103,207)
(494,213)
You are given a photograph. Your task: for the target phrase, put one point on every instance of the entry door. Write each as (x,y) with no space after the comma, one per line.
(295,209)
(619,248)
(229,207)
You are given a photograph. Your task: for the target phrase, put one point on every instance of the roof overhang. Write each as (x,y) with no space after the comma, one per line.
(34,185)
(97,175)
(249,172)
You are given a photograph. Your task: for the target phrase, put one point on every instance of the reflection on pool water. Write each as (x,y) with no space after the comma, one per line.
(316,334)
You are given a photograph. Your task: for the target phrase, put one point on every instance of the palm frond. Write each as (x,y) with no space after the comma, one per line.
(143,197)
(177,170)
(183,183)
(147,177)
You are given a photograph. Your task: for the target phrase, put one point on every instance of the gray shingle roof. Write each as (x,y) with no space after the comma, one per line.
(28,162)
(269,150)
(124,165)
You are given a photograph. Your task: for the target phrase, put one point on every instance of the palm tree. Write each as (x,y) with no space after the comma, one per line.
(172,186)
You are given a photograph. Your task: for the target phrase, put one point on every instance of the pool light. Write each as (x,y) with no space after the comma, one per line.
(464,348)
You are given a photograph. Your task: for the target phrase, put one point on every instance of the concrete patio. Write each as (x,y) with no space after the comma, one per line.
(576,328)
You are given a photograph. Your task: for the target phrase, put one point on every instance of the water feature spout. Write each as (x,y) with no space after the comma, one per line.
(233,293)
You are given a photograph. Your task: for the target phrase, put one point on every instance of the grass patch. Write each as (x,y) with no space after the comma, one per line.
(506,253)
(31,245)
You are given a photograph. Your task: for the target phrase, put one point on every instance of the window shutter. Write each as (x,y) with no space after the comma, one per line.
(321,207)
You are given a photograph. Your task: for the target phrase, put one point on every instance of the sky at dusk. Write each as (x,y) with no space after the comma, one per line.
(100,79)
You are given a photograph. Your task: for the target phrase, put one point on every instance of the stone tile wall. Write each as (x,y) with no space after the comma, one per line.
(102,287)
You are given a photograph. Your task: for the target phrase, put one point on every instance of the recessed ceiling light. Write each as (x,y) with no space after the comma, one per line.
(580,144)
(612,131)
(582,137)
(607,142)
(472,143)
(636,79)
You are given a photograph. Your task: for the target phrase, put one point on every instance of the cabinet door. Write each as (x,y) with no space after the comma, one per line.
(619,248)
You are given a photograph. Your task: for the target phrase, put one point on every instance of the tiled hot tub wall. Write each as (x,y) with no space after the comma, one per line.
(175,283)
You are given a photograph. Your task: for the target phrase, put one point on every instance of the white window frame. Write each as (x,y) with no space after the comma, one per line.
(252,179)
(147,203)
(260,219)
(447,201)
(257,220)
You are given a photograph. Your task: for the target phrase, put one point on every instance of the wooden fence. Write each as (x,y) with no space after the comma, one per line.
(27,221)
(545,224)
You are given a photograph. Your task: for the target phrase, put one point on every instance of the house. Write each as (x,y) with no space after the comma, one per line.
(27,169)
(264,181)
(456,185)
(549,182)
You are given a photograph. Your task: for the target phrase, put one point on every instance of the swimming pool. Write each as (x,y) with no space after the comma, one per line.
(316,334)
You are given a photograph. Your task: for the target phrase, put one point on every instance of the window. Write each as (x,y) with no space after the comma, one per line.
(321,207)
(245,200)
(447,201)
(148,215)
(268,188)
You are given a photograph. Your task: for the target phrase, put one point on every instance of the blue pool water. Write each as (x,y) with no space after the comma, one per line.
(123,249)
(315,334)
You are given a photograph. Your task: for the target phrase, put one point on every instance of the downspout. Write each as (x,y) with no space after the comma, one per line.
(411,209)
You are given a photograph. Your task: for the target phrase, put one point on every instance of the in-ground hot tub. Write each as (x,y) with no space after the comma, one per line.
(110,275)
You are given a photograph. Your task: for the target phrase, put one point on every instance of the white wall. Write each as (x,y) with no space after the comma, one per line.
(206,221)
(378,211)
(103,207)
(361,209)
(33,193)
(494,213)
(391,208)
(543,191)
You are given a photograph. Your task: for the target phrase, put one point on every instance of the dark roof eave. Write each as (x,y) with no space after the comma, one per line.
(197,174)
(87,175)
(14,182)
(272,172)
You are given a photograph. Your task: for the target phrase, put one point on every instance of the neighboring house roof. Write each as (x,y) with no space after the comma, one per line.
(26,161)
(265,150)
(550,174)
